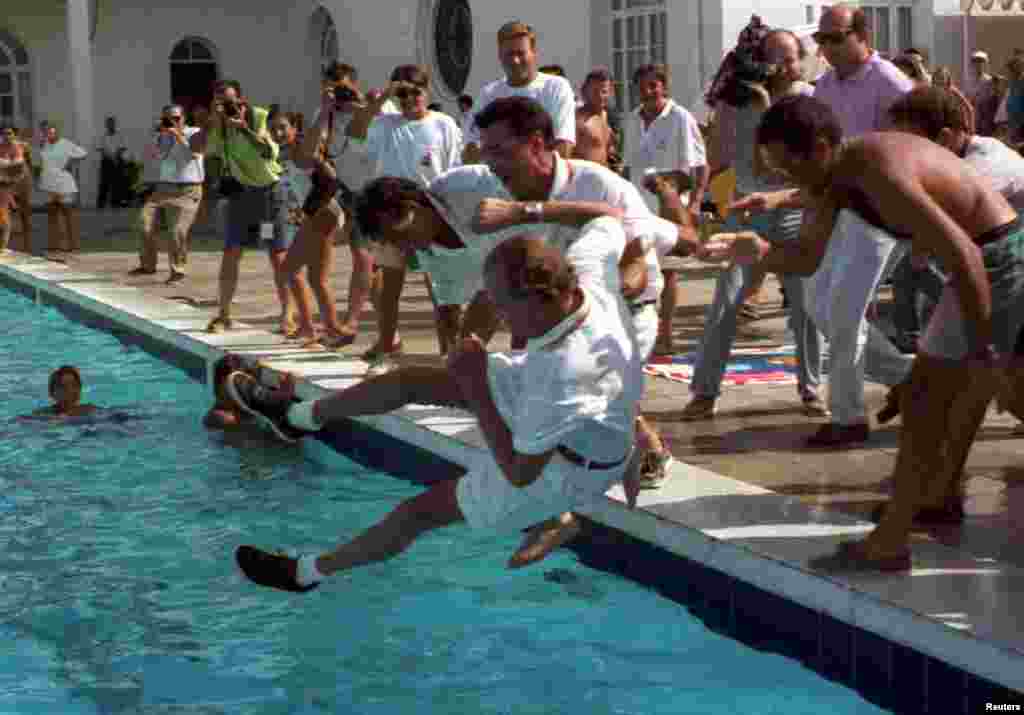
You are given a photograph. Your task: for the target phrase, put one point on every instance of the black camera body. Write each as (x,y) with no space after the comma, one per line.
(344,95)
(232,110)
(166,123)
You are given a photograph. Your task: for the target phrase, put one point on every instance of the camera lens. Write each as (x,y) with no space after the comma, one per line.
(166,123)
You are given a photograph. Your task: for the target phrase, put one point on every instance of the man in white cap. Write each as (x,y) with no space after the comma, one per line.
(981,92)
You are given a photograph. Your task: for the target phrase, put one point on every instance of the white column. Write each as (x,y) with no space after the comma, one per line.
(83,125)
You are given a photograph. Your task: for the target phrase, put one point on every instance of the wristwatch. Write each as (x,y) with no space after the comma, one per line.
(533,211)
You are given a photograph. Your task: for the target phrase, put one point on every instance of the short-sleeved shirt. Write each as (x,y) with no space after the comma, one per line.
(1001,165)
(168,161)
(242,158)
(354,168)
(420,149)
(861,101)
(54,177)
(671,142)
(576,388)
(550,91)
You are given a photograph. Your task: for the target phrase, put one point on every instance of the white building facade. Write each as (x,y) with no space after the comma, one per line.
(78,61)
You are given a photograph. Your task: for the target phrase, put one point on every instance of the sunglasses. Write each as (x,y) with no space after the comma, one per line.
(831,38)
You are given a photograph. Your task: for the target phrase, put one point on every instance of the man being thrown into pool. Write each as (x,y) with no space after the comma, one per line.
(225,413)
(913,189)
(66,391)
(557,418)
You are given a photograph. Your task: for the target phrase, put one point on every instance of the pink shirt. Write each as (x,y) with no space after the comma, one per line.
(861,101)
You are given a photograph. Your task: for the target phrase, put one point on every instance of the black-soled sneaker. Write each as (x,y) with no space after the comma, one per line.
(261,402)
(270,570)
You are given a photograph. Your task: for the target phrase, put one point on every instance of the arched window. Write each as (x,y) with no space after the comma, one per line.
(15,82)
(193,72)
(453,43)
(327,35)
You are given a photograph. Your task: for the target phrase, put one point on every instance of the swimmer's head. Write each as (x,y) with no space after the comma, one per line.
(221,369)
(66,386)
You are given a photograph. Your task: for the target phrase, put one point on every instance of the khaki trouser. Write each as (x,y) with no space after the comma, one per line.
(181,202)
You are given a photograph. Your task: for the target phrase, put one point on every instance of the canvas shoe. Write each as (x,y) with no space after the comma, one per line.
(263,404)
(273,570)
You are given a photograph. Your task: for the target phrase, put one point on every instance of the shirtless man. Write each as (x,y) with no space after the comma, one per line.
(595,140)
(66,393)
(921,192)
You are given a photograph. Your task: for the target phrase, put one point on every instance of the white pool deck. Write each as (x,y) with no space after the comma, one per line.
(958,608)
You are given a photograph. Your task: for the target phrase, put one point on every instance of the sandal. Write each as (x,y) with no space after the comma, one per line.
(219,324)
(336,341)
(851,556)
(310,342)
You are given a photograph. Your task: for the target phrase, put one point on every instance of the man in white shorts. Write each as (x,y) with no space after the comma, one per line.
(557,418)
(662,135)
(517,52)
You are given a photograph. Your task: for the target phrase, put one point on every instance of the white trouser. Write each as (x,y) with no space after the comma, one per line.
(838,295)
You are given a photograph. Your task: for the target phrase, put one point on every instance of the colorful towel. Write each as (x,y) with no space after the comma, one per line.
(762,366)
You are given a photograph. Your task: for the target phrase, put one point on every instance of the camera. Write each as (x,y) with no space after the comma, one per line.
(166,123)
(344,95)
(232,110)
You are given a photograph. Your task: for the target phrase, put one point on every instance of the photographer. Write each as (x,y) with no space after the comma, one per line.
(237,134)
(174,166)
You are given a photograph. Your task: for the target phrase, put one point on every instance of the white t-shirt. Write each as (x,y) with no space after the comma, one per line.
(54,176)
(552,92)
(671,142)
(577,388)
(659,236)
(420,149)
(353,168)
(1001,165)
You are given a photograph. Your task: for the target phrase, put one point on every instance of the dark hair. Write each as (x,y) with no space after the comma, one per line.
(60,372)
(413,74)
(224,367)
(797,122)
(337,71)
(658,70)
(465,101)
(523,115)
(435,107)
(383,195)
(931,109)
(223,84)
(598,74)
(557,70)
(860,25)
(530,266)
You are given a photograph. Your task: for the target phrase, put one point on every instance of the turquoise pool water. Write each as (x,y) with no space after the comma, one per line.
(118,592)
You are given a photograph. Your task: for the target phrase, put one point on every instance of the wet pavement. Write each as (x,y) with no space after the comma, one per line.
(756,437)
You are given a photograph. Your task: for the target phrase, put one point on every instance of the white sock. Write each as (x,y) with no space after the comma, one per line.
(301,415)
(306,573)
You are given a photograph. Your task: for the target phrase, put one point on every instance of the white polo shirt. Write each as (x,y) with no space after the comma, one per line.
(416,149)
(552,92)
(577,388)
(671,142)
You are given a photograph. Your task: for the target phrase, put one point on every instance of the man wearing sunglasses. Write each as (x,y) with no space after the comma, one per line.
(174,166)
(859,89)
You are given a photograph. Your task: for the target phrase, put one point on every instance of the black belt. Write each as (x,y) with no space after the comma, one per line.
(635,308)
(580,461)
(999,232)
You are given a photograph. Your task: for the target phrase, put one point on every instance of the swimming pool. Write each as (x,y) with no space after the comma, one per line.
(119,591)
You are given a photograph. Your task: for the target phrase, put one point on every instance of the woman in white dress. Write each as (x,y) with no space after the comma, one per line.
(55,157)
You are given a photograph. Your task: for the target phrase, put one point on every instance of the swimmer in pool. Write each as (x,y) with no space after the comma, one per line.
(66,391)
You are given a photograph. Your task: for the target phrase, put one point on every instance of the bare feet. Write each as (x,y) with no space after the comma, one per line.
(544,538)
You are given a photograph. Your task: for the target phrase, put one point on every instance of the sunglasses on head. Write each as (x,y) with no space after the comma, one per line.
(831,38)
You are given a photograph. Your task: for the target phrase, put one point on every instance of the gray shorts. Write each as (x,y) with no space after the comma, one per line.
(946,336)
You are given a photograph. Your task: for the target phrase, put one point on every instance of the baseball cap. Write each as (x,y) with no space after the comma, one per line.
(980,55)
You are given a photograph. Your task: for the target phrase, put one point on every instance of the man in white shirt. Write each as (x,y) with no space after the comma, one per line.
(417,144)
(557,418)
(174,166)
(517,52)
(661,135)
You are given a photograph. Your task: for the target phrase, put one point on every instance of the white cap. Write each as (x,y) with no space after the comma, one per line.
(980,55)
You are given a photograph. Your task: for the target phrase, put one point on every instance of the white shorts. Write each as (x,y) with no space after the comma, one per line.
(645,323)
(488,500)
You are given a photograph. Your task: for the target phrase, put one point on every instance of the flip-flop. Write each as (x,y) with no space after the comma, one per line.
(336,342)
(850,556)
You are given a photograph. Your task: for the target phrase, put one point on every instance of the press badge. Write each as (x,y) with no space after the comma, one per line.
(266,231)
